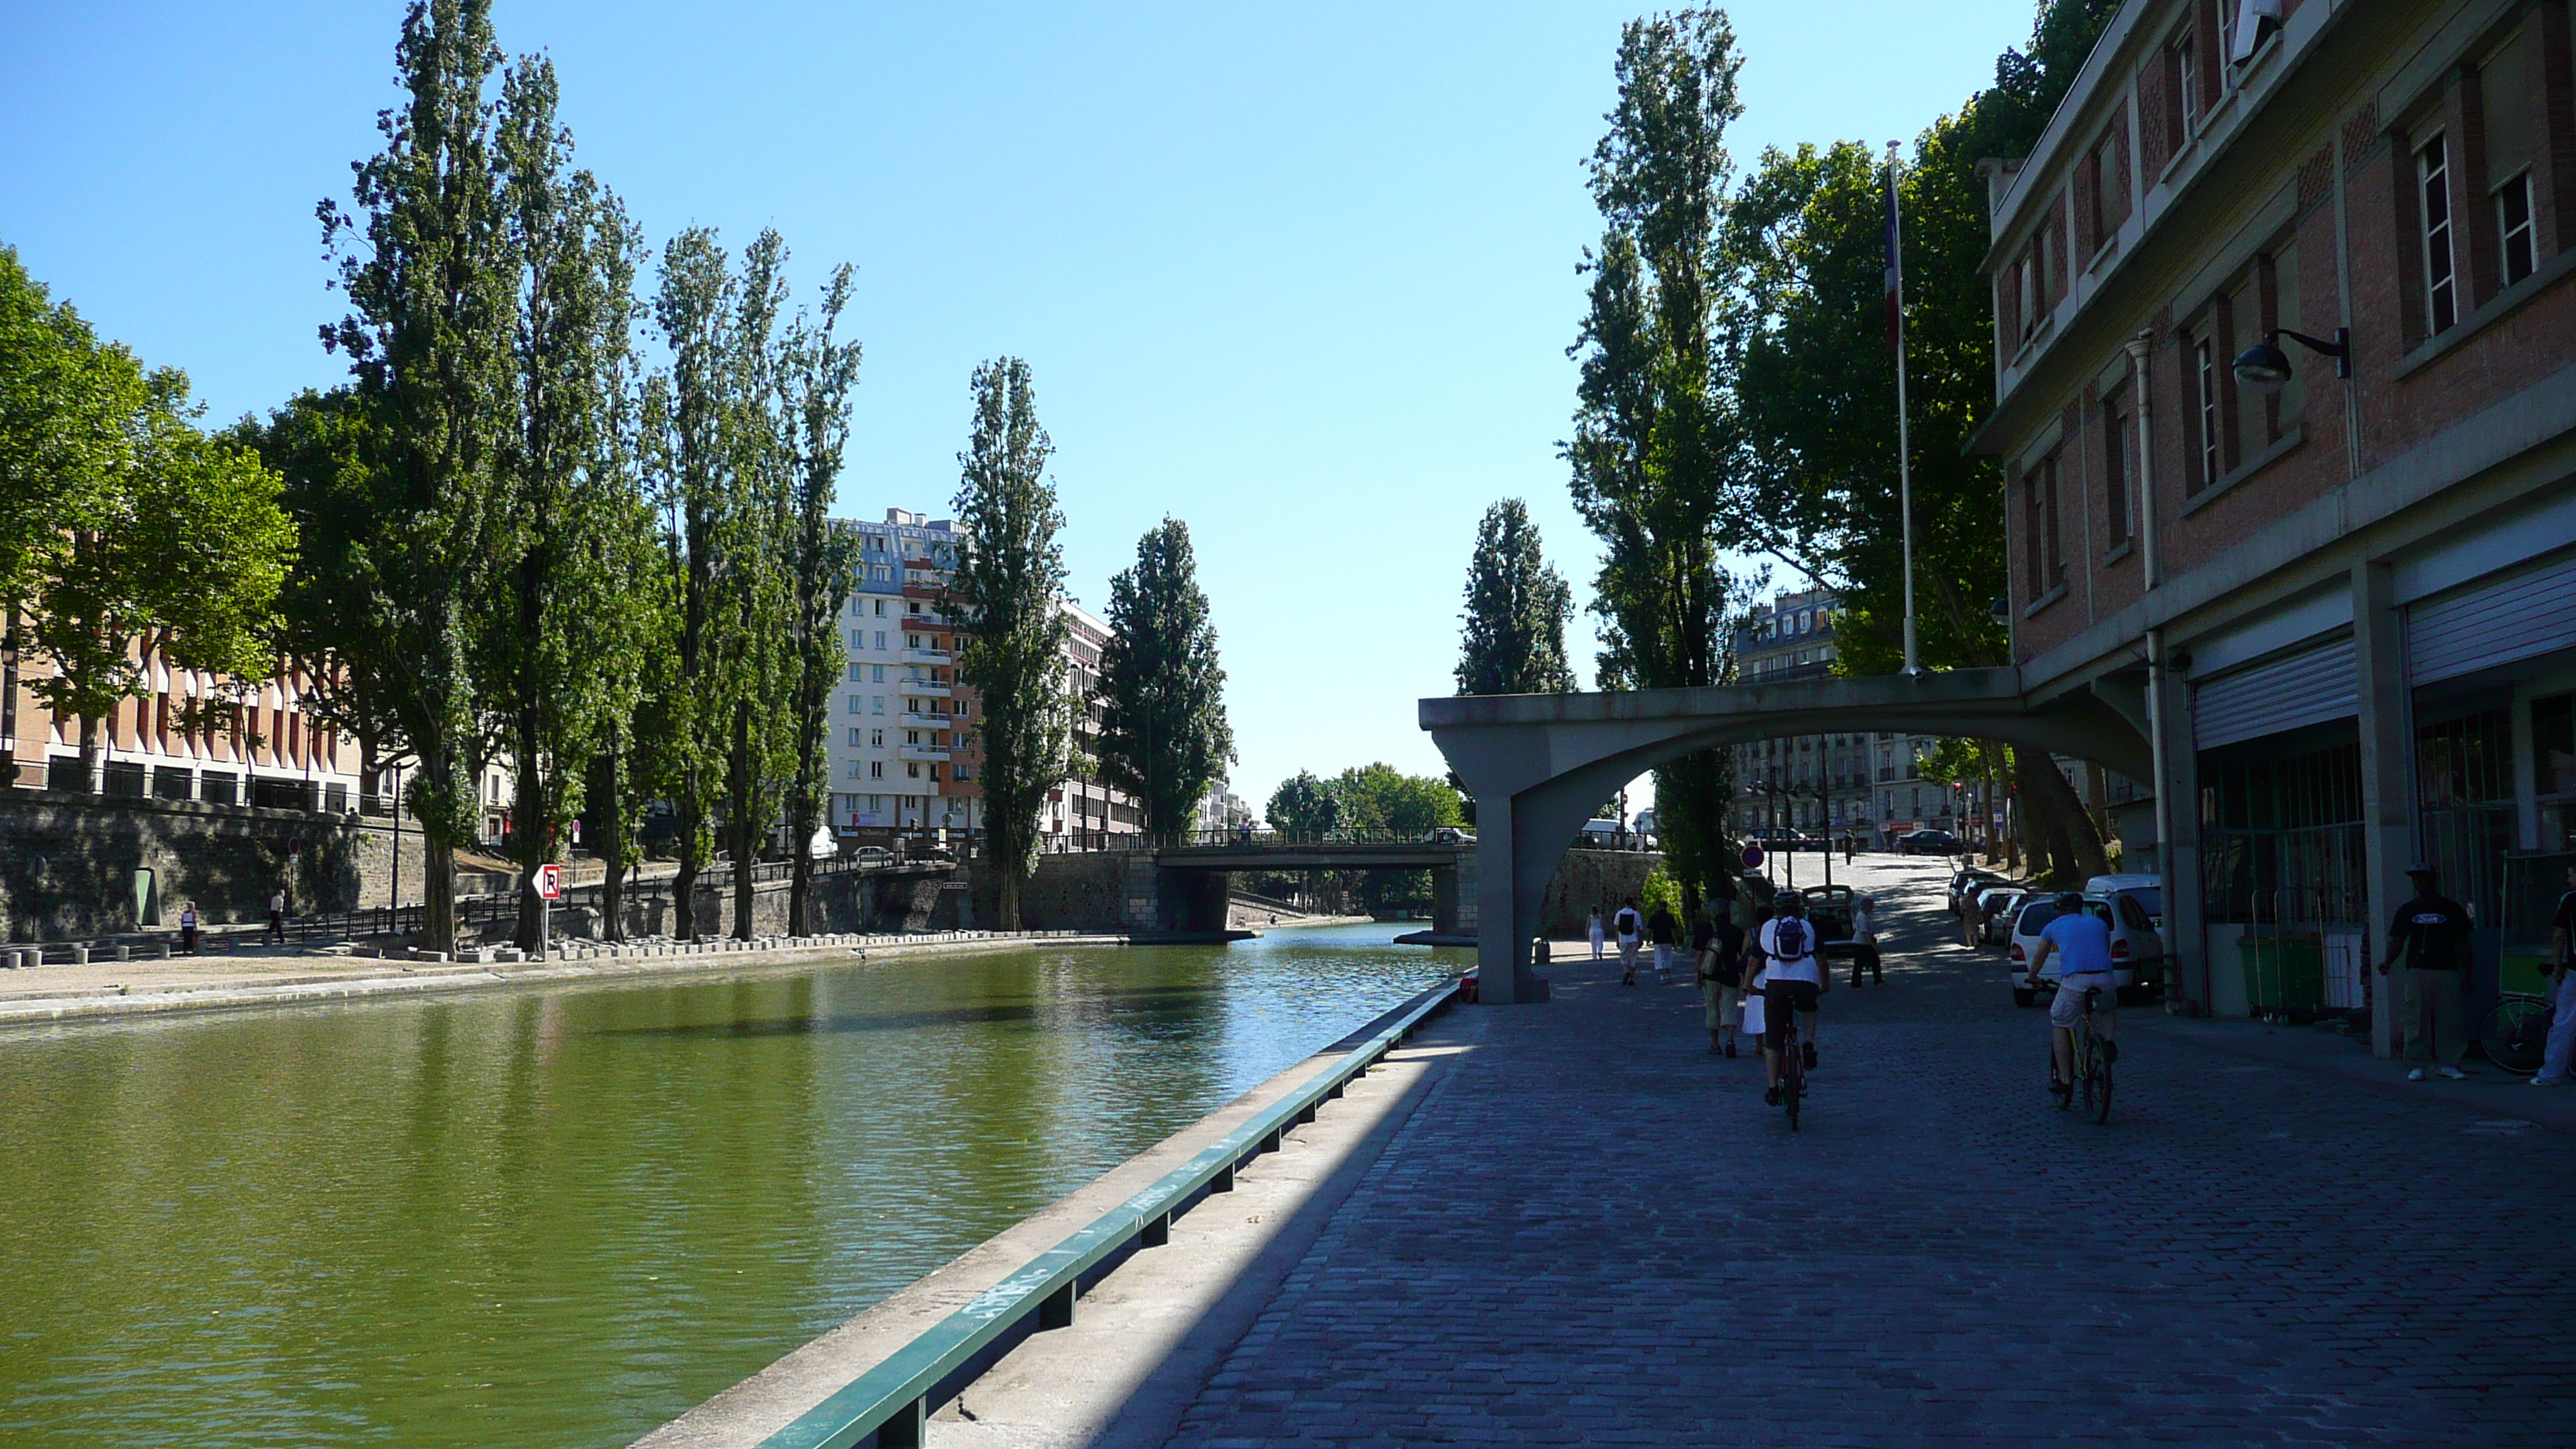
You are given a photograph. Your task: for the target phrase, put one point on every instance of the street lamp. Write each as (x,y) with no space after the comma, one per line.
(2264,368)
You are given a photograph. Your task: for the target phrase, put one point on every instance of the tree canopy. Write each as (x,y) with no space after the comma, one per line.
(1517,607)
(1165,738)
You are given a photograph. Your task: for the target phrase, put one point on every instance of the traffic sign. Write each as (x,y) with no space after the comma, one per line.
(550,882)
(1753,857)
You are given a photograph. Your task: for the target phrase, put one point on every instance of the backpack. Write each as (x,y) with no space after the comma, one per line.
(1790,938)
(1626,921)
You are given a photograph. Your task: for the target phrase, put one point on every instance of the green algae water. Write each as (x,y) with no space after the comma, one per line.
(559,1217)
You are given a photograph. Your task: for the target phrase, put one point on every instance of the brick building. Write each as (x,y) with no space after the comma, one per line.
(2343,607)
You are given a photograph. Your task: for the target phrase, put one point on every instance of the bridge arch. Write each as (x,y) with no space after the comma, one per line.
(1538,765)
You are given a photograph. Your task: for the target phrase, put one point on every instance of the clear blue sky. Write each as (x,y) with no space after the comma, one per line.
(1301,275)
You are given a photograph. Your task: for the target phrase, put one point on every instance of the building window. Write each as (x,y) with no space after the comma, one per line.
(912,769)
(876,739)
(876,769)
(854,704)
(2433,186)
(2204,373)
(854,737)
(876,704)
(857,671)
(2187,84)
(2047,552)
(2513,227)
(876,673)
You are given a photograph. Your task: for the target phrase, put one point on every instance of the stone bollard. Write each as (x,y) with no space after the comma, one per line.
(165,950)
(80,955)
(124,952)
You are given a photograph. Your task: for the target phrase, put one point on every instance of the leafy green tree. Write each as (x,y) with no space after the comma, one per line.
(431,276)
(760,593)
(554,647)
(1007,588)
(1378,797)
(65,401)
(1653,450)
(1814,388)
(1516,611)
(1165,738)
(1303,805)
(182,551)
(823,565)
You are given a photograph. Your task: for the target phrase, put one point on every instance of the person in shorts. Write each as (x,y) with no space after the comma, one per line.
(1630,928)
(1717,944)
(1793,979)
(2082,945)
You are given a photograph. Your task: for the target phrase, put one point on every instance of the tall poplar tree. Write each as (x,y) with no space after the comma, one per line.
(760,729)
(685,421)
(1008,585)
(823,567)
(1165,738)
(429,270)
(1516,611)
(1653,447)
(554,644)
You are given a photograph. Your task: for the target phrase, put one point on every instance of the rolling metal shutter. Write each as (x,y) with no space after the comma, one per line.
(2532,612)
(2309,687)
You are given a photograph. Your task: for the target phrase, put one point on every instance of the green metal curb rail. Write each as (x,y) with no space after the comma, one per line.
(891,1400)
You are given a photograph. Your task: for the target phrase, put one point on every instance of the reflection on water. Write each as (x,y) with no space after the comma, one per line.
(558,1218)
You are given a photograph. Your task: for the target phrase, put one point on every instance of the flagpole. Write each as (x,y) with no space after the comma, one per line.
(1904,448)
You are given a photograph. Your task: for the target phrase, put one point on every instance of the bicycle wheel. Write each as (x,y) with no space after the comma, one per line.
(2514,1032)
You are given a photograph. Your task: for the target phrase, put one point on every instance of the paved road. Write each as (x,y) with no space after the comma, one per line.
(1592,1232)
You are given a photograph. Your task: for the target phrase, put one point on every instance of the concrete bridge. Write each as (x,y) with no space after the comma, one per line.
(1182,883)
(1538,765)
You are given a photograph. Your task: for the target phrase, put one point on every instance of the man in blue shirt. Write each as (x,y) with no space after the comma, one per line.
(2082,945)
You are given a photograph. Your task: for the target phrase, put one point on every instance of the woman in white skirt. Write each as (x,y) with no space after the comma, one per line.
(1593,930)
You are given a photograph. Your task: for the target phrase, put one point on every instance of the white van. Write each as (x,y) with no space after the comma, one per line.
(2147,890)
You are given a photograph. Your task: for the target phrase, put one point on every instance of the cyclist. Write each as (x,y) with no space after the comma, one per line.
(2082,945)
(1792,980)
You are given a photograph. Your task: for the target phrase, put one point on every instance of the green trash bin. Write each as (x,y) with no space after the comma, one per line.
(2284,973)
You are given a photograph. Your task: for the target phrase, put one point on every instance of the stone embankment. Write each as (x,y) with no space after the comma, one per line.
(107,988)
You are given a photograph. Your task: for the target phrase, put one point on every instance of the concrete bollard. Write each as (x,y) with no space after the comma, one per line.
(80,955)
(124,952)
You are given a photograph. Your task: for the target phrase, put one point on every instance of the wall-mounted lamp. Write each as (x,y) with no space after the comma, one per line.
(2265,368)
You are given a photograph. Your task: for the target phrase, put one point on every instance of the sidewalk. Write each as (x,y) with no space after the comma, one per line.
(2489,1093)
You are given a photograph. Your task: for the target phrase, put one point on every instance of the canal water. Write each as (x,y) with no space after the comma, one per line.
(559,1217)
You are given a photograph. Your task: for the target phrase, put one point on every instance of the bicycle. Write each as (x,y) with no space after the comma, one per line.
(2515,1032)
(2092,1065)
(1793,1063)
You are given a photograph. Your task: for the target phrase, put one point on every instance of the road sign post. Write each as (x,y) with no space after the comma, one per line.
(549,890)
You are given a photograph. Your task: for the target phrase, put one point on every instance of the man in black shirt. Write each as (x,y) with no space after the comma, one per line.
(1717,944)
(2433,931)
(1665,932)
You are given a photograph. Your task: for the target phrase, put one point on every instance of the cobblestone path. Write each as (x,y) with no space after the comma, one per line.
(1594,1233)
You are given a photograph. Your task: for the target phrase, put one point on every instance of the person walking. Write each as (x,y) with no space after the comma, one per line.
(2433,932)
(1717,944)
(1851,843)
(1629,926)
(188,929)
(2562,992)
(1665,932)
(1592,928)
(277,916)
(1865,944)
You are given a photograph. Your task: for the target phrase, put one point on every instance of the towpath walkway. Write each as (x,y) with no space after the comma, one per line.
(1590,1231)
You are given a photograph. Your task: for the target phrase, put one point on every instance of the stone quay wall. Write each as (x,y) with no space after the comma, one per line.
(74,865)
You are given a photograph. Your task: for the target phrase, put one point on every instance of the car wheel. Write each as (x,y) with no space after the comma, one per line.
(2024,996)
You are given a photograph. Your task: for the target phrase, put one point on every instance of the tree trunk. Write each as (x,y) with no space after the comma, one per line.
(684,885)
(438,894)
(743,824)
(603,826)
(800,890)
(528,845)
(1006,908)
(2086,854)
(93,755)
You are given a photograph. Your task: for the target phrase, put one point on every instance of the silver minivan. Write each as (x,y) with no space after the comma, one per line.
(2137,951)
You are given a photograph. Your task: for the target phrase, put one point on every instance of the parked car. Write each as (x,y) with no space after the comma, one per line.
(1965,885)
(1995,905)
(1829,909)
(1603,835)
(1449,835)
(2137,952)
(2147,890)
(1927,842)
(872,855)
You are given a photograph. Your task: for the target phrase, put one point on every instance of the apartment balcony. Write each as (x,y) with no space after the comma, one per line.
(921,752)
(922,689)
(927,656)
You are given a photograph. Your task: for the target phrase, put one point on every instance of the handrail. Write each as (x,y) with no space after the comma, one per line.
(893,1397)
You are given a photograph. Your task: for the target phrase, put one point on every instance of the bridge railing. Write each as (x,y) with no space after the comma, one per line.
(1079,842)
